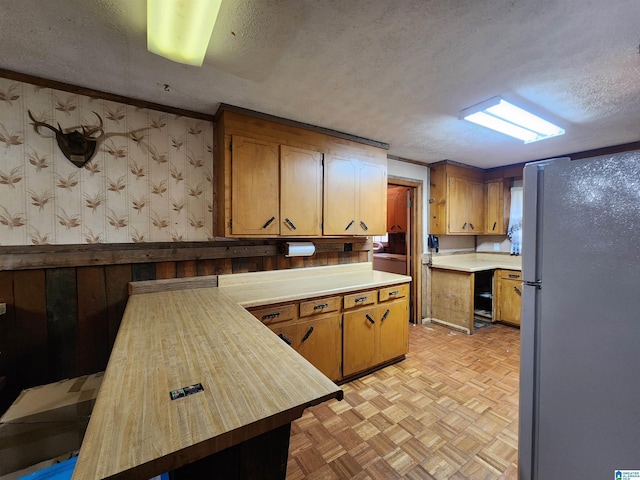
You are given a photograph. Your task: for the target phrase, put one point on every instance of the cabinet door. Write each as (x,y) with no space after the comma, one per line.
(372,199)
(287,333)
(394,329)
(300,192)
(475,207)
(255,202)
(510,301)
(457,205)
(494,212)
(397,210)
(320,343)
(340,196)
(359,340)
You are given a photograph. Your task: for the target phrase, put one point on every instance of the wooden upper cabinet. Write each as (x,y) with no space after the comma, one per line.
(274,179)
(255,205)
(497,206)
(465,206)
(372,204)
(340,197)
(300,192)
(457,200)
(355,196)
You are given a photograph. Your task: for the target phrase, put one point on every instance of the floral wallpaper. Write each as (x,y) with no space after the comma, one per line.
(149,181)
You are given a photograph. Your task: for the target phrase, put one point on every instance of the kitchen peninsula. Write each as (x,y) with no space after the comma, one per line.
(253,384)
(464,286)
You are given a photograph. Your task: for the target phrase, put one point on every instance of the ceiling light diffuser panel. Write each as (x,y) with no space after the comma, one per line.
(180,30)
(504,117)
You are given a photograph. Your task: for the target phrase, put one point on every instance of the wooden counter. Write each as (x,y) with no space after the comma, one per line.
(253,384)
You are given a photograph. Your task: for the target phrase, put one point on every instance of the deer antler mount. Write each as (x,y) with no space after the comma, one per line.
(78,147)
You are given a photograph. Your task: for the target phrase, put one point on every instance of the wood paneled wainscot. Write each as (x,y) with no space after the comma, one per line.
(278,179)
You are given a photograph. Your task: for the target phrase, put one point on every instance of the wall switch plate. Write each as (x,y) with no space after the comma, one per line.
(496,247)
(3,308)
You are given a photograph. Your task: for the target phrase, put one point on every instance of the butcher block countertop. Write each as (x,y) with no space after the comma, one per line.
(253,383)
(262,288)
(477,262)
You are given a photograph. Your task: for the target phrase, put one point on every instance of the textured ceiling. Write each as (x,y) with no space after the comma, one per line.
(397,71)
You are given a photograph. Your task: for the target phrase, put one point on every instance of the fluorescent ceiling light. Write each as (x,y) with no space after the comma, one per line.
(180,30)
(504,117)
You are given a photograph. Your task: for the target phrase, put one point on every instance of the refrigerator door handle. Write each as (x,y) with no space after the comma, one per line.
(537,284)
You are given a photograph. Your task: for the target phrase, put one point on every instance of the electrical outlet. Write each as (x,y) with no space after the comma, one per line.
(3,308)
(496,247)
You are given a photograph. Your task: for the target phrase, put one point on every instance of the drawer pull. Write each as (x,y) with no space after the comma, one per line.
(364,225)
(269,222)
(290,224)
(386,314)
(350,223)
(308,334)
(270,316)
(321,306)
(395,292)
(360,299)
(371,320)
(517,291)
(285,339)
(514,275)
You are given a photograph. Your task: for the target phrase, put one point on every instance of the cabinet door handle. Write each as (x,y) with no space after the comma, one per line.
(285,339)
(269,316)
(269,222)
(350,223)
(371,320)
(386,314)
(360,299)
(308,334)
(464,226)
(472,227)
(364,225)
(290,224)
(321,306)
(392,227)
(494,225)
(517,291)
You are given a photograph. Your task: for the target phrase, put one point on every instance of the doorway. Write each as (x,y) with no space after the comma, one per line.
(400,251)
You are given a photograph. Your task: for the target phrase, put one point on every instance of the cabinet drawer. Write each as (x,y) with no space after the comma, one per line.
(360,299)
(274,314)
(316,307)
(511,275)
(389,293)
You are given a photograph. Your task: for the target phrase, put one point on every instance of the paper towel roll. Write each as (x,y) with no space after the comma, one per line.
(299,249)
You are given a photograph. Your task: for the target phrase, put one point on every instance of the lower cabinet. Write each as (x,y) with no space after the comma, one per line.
(509,305)
(343,336)
(374,335)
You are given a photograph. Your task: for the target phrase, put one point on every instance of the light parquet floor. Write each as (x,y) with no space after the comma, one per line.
(448,411)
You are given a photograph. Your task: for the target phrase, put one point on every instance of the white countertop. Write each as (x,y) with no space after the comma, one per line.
(477,262)
(264,288)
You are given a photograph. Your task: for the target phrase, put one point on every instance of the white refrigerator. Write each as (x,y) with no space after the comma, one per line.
(580,332)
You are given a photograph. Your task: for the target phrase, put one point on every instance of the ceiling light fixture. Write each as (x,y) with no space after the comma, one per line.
(180,30)
(504,117)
